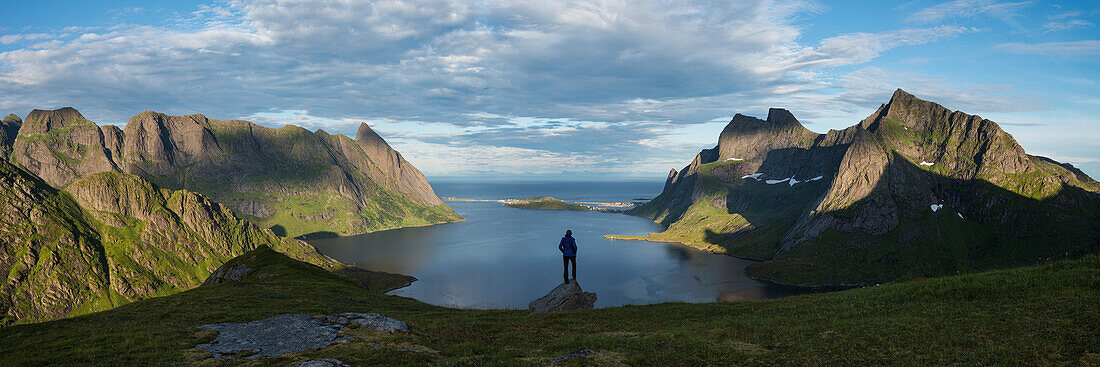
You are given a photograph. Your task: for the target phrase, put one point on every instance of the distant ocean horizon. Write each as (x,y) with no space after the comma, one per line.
(609,189)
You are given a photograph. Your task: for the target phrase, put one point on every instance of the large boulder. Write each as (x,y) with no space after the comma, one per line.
(565,297)
(226,273)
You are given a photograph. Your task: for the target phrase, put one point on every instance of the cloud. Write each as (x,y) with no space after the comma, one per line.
(441,62)
(589,84)
(8,39)
(1005,11)
(1066,25)
(859,48)
(1073,48)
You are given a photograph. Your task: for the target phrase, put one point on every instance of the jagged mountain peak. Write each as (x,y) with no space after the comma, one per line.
(225,159)
(41,121)
(914,189)
(782,117)
(12,118)
(747,138)
(367,137)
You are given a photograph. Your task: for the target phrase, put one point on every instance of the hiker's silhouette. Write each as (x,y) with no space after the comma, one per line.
(568,247)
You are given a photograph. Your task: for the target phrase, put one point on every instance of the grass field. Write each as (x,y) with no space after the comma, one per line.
(1039,315)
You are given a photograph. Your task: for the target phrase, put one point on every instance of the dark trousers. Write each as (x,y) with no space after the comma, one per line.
(565,260)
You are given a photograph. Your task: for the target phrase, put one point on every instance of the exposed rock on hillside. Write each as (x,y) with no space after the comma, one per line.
(859,205)
(9,129)
(111,238)
(293,180)
(288,333)
(565,297)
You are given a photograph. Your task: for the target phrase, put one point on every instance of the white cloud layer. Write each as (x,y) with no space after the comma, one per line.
(575,83)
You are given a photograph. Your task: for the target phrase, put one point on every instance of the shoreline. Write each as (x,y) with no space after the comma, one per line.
(596,206)
(306,237)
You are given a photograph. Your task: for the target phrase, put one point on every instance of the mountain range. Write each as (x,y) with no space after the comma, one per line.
(93,217)
(111,238)
(297,182)
(914,190)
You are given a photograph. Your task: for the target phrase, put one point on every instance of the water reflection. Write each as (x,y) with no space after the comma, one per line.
(504,257)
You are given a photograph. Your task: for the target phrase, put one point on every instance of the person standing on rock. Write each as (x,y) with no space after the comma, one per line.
(568,247)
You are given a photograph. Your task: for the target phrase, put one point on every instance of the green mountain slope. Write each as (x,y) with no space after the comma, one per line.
(1038,315)
(913,190)
(292,180)
(112,238)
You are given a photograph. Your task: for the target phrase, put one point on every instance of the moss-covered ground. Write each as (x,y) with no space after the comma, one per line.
(1037,315)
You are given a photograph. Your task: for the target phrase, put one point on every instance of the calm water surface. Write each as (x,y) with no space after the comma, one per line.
(503,257)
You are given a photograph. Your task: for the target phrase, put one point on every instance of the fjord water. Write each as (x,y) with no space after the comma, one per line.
(503,257)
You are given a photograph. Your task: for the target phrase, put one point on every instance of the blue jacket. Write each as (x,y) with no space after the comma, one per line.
(568,246)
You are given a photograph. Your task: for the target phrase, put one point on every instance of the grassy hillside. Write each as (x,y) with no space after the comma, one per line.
(112,238)
(1036,315)
(745,218)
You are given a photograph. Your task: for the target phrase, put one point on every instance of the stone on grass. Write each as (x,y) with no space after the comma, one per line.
(325,362)
(289,333)
(368,320)
(565,297)
(227,273)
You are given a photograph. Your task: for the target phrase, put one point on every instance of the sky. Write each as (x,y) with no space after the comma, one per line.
(559,88)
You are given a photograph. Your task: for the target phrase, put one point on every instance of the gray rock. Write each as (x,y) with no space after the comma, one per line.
(368,320)
(565,297)
(227,273)
(579,353)
(289,333)
(272,336)
(326,362)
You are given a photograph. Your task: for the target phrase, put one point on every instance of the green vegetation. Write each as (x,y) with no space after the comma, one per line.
(1037,315)
(745,218)
(873,222)
(546,203)
(112,238)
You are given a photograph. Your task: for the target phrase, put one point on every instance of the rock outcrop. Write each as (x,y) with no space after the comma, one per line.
(565,297)
(913,190)
(9,129)
(227,273)
(296,181)
(112,238)
(289,333)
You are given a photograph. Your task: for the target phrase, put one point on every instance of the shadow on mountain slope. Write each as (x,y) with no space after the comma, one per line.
(976,226)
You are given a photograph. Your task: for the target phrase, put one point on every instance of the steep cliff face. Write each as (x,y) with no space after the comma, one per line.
(111,238)
(60,146)
(9,129)
(295,181)
(913,190)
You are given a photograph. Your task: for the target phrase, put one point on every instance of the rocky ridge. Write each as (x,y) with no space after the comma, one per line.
(913,190)
(112,238)
(296,181)
(9,129)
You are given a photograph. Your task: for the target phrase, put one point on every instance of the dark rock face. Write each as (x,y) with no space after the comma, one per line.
(856,206)
(278,177)
(9,129)
(111,238)
(565,297)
